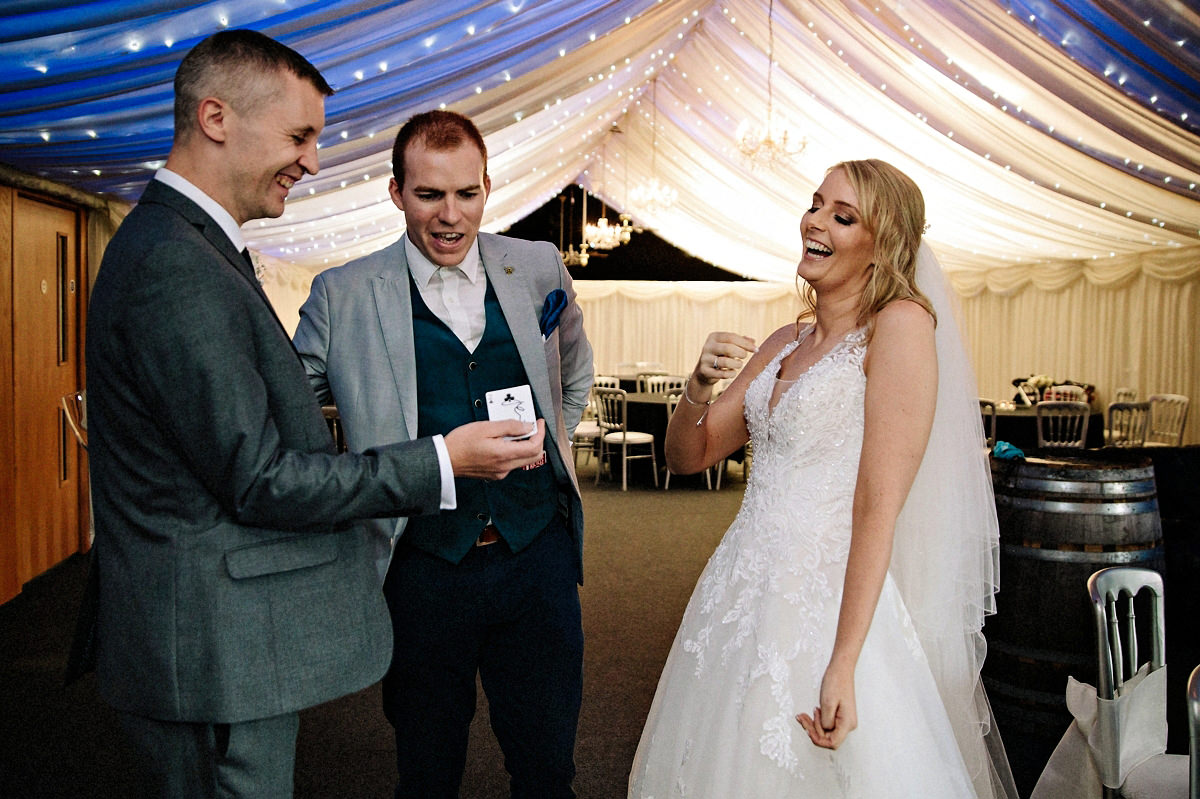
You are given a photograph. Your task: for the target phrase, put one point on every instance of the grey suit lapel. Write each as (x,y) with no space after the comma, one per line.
(393,304)
(513,281)
(159,192)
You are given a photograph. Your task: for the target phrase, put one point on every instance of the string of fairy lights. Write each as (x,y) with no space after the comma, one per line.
(1091,155)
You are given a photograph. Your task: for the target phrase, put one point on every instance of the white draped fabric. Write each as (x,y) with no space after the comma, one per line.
(1139,331)
(1057,144)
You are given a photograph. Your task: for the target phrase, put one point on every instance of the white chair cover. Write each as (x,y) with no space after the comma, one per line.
(1077,770)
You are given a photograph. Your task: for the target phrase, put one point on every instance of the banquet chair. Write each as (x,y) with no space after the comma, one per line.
(1127,422)
(747,462)
(661,384)
(1115,745)
(1062,423)
(588,429)
(1137,766)
(644,375)
(1064,392)
(987,410)
(614,435)
(1168,415)
(606,381)
(1029,393)
(1126,395)
(674,396)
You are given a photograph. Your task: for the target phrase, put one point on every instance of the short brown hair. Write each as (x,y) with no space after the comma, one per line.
(235,66)
(437,130)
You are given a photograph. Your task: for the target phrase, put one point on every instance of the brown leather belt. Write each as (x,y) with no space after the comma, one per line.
(490,535)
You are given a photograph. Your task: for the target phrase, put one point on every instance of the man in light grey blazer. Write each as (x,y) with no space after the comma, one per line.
(415,339)
(232,589)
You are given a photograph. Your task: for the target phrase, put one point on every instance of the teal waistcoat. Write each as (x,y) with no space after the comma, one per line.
(451,384)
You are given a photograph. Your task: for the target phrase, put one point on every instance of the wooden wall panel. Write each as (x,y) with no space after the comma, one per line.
(10,585)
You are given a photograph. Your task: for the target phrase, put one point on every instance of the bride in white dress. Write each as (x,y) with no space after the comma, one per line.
(832,646)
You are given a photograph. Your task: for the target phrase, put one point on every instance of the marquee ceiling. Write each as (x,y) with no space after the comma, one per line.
(1039,130)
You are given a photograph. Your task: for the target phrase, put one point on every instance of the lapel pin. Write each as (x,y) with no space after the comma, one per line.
(508,270)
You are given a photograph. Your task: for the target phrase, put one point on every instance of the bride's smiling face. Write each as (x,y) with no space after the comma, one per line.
(838,247)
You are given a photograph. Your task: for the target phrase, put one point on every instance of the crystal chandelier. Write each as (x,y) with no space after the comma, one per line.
(763,145)
(652,195)
(602,235)
(571,256)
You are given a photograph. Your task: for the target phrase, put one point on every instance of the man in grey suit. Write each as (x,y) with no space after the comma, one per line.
(233,590)
(417,338)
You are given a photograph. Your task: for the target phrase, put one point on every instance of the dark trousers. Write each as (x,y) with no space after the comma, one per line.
(515,620)
(193,760)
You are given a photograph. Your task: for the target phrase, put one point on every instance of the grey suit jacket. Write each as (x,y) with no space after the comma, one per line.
(232,584)
(356,340)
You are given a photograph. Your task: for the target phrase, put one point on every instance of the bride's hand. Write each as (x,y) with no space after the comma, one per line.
(836,716)
(722,356)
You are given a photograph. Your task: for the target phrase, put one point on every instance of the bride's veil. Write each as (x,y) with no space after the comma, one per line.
(946,554)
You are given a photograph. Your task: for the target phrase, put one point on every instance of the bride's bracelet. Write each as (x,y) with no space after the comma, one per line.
(691,401)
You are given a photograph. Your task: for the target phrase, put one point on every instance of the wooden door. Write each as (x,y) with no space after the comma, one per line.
(46,292)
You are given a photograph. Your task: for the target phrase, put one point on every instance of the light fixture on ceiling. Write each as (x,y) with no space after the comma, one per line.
(571,256)
(652,196)
(602,235)
(763,145)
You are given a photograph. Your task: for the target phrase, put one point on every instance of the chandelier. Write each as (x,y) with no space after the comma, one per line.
(762,144)
(652,195)
(571,256)
(602,235)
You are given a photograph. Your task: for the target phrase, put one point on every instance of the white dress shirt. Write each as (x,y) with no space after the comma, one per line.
(229,225)
(455,294)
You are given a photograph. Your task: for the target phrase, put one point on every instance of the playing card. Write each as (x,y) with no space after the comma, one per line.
(513,403)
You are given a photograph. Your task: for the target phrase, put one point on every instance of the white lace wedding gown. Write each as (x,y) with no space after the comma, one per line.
(757,634)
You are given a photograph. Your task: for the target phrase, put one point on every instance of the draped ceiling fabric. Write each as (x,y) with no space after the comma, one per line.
(1057,141)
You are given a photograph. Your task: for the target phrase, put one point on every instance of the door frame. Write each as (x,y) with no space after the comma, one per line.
(10,583)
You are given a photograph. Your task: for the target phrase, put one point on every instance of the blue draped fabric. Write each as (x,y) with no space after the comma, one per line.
(1043,128)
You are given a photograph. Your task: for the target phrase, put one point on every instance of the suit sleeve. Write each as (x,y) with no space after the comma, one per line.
(575,353)
(311,339)
(230,398)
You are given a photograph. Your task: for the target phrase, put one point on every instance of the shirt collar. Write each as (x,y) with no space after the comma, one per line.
(423,270)
(210,206)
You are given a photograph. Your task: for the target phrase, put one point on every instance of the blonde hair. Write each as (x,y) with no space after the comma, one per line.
(893,210)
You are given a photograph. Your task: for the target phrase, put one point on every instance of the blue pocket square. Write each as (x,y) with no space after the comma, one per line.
(551,311)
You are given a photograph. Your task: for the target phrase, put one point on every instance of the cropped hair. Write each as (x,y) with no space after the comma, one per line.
(239,67)
(893,210)
(437,130)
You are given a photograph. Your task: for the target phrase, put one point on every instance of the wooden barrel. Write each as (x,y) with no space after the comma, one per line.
(1061,519)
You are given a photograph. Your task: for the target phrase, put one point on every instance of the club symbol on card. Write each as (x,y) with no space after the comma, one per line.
(517,408)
